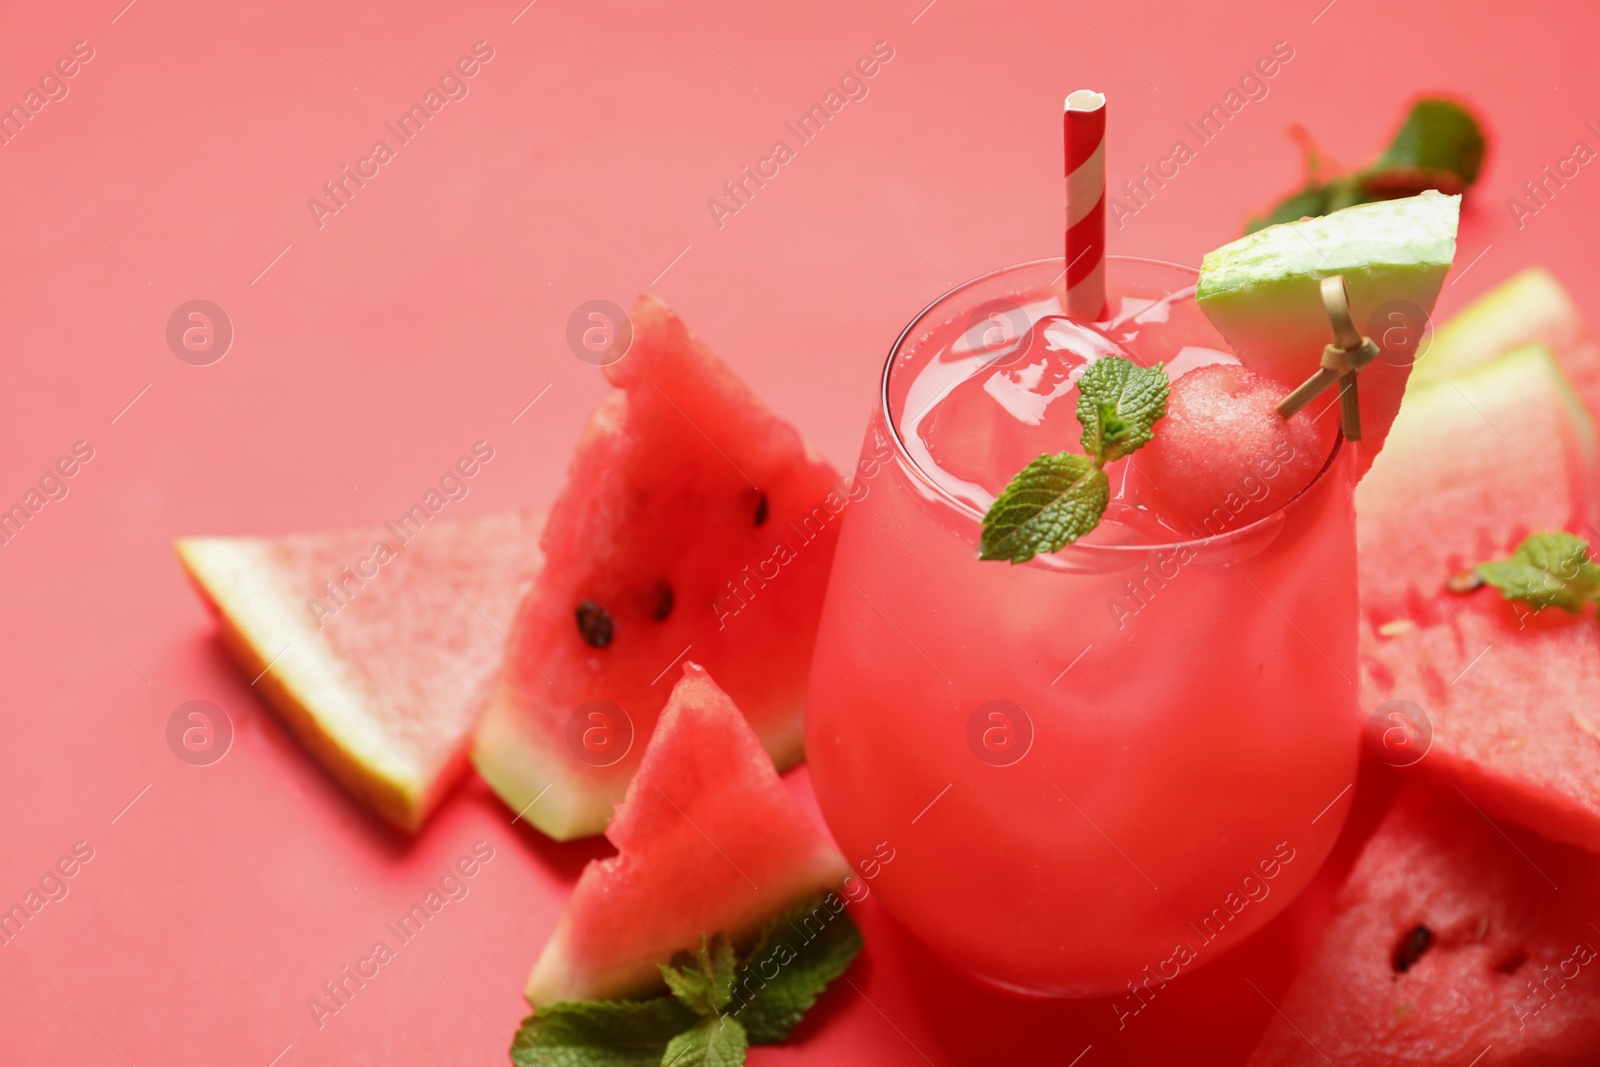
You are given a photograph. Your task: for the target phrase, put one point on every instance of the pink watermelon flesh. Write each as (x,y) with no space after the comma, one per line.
(1450,944)
(708,840)
(695,522)
(1476,463)
(1222,442)
(382,677)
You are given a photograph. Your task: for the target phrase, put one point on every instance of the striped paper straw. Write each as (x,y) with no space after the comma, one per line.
(1083,129)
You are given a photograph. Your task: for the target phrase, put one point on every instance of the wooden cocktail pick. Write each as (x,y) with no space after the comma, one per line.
(1341,361)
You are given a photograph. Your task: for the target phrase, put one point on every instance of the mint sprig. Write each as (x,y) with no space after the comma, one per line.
(1057,499)
(1118,405)
(717,1005)
(1546,570)
(600,1033)
(1439,146)
(771,996)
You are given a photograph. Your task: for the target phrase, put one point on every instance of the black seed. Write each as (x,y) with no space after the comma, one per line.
(663,605)
(1411,947)
(761,510)
(1512,963)
(594,624)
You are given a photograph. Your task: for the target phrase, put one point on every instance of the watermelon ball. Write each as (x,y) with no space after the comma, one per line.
(1223,457)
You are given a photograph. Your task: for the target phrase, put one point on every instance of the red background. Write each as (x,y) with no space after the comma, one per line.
(429,311)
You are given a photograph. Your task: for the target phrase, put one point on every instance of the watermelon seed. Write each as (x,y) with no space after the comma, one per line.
(1463,582)
(594,624)
(761,510)
(664,601)
(1411,947)
(1512,963)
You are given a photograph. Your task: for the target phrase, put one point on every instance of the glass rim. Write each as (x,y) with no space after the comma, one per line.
(967,510)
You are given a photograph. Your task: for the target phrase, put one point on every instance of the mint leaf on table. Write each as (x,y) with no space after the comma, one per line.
(718,1005)
(713,1042)
(1057,499)
(600,1033)
(1439,146)
(702,982)
(1118,405)
(1546,570)
(797,956)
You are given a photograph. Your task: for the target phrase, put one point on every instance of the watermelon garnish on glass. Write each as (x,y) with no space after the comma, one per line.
(1262,294)
(1477,462)
(696,524)
(709,841)
(1455,941)
(378,647)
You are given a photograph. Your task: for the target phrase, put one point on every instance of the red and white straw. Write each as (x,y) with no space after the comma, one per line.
(1083,129)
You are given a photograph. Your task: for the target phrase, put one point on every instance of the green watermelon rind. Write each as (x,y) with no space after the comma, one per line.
(1262,294)
(1529,307)
(1412,237)
(1511,373)
(1516,373)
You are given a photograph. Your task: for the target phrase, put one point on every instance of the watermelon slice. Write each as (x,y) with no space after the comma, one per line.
(1474,464)
(695,523)
(382,678)
(1450,944)
(708,839)
(1261,293)
(1530,308)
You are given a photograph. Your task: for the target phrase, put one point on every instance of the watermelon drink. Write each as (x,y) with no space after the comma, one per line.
(1105,766)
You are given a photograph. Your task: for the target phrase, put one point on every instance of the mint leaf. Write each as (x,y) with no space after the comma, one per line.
(796,957)
(1057,499)
(1118,405)
(1546,570)
(1052,502)
(702,982)
(1439,146)
(600,1033)
(714,1042)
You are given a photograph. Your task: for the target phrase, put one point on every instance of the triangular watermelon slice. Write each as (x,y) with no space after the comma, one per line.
(1262,294)
(695,524)
(378,651)
(709,840)
(1454,942)
(1530,308)
(1475,463)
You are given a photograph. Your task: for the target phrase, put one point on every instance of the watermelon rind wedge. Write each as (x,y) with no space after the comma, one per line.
(1476,462)
(695,523)
(709,840)
(1531,307)
(1455,940)
(383,682)
(1262,294)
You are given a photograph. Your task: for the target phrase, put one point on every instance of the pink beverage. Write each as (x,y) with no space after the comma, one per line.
(1102,768)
